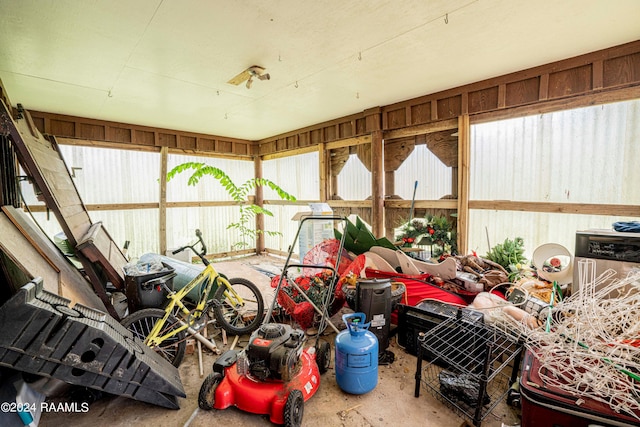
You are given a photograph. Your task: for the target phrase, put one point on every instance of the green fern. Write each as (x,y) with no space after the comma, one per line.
(239,194)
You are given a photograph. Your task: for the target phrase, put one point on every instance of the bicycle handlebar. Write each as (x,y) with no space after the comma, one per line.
(203,248)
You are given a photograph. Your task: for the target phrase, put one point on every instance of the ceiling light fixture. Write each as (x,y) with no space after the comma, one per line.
(248,75)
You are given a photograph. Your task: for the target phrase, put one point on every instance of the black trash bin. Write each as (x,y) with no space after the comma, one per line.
(373,298)
(146,290)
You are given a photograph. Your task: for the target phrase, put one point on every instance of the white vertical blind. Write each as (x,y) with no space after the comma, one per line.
(298,175)
(585,155)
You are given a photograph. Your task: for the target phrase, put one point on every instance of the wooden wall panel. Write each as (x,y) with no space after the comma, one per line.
(449,108)
(345,130)
(622,70)
(420,113)
(205,144)
(316,136)
(167,140)
(110,134)
(304,139)
(224,146)
(92,131)
(522,92)
(39,122)
(396,118)
(483,99)
(241,149)
(63,128)
(330,133)
(119,134)
(570,82)
(187,142)
(571,79)
(144,137)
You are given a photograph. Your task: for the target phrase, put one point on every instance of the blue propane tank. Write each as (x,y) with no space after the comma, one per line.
(356,356)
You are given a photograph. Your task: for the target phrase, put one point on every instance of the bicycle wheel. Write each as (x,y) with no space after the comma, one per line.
(235,318)
(141,322)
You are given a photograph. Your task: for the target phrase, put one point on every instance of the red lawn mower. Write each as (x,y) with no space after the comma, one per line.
(275,374)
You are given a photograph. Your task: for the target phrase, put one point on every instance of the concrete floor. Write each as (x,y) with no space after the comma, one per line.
(392,402)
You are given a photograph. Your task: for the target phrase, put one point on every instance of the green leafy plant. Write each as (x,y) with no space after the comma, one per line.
(239,193)
(509,254)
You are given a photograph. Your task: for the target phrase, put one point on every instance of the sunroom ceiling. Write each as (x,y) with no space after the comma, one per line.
(166,63)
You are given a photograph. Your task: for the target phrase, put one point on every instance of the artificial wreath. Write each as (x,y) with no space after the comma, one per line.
(434,231)
(411,232)
(440,234)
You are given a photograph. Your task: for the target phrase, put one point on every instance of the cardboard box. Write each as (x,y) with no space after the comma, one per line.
(314,231)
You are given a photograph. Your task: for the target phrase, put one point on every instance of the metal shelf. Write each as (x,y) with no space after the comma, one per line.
(470,366)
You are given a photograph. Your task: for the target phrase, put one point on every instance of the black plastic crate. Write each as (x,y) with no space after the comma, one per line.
(146,290)
(414,321)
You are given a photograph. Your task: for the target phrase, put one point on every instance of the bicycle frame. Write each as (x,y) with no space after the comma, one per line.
(208,275)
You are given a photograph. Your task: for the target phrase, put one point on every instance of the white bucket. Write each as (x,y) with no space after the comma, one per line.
(550,250)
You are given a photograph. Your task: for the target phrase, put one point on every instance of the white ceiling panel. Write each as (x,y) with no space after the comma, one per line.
(166,63)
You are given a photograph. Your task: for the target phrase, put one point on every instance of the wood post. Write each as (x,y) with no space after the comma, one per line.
(377,184)
(464,155)
(323,170)
(162,220)
(257,170)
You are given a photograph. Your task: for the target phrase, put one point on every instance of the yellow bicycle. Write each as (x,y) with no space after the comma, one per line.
(237,306)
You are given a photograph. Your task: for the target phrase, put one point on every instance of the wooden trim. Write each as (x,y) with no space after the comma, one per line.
(279,253)
(597,75)
(105,144)
(350,203)
(203,204)
(543,91)
(348,142)
(242,252)
(564,208)
(421,129)
(289,202)
(247,158)
(421,204)
(151,149)
(105,207)
(289,153)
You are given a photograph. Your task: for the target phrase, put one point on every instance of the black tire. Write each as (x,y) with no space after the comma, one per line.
(239,320)
(141,322)
(323,356)
(207,395)
(294,409)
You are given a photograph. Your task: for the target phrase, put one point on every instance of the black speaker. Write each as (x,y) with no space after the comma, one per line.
(416,320)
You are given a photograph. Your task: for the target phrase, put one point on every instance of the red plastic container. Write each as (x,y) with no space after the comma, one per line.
(544,406)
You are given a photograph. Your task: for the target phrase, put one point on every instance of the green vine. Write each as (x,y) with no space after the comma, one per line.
(239,194)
